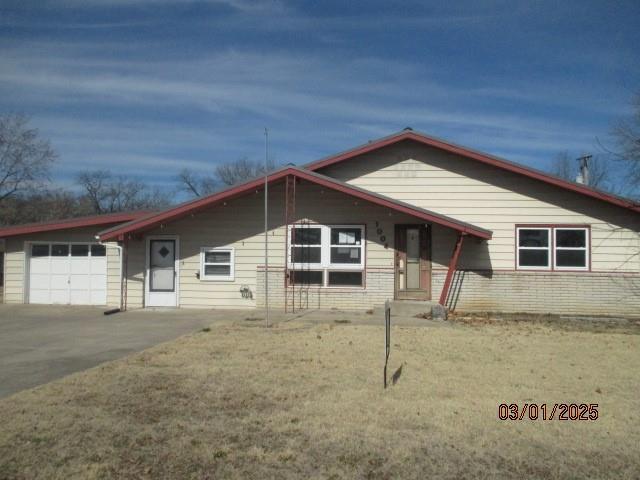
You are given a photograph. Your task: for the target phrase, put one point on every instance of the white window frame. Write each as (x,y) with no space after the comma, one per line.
(325,254)
(549,248)
(217,278)
(307,265)
(586,248)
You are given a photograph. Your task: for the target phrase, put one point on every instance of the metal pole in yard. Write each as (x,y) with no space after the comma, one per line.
(266,224)
(387,338)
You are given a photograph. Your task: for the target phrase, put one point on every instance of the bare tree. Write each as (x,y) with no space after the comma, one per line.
(241,170)
(224,175)
(563,166)
(626,133)
(194,184)
(40,206)
(600,173)
(25,158)
(107,193)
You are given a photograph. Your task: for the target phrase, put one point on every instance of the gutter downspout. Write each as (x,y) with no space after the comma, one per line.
(452,268)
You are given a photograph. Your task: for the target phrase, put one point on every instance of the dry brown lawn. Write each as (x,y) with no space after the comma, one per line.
(306,401)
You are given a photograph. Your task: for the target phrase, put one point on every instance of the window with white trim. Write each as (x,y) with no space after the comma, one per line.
(534,248)
(326,255)
(571,249)
(552,248)
(216,264)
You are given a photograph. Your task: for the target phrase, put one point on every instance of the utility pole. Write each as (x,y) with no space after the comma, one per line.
(266,225)
(583,176)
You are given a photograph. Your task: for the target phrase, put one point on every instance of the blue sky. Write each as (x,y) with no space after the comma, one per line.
(149,87)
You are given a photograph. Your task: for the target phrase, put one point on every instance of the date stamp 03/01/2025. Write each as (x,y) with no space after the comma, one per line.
(543,411)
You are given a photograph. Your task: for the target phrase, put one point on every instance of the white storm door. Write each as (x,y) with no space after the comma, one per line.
(162,272)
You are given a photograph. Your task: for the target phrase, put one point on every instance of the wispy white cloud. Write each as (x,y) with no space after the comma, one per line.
(151,108)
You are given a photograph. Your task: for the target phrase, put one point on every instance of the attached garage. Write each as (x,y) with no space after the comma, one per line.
(62,263)
(67,273)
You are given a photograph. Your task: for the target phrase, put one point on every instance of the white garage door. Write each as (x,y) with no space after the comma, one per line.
(68,273)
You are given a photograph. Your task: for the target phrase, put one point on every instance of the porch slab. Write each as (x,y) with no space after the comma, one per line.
(413,308)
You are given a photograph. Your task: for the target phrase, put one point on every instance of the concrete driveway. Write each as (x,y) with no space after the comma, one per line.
(39,344)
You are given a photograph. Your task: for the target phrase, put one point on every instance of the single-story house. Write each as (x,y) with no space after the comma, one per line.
(405,217)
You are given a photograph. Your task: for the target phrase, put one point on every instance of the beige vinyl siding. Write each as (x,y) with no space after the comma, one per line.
(493,199)
(15,257)
(239,224)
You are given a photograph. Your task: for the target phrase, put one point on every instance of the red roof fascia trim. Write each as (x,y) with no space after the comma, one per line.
(13,231)
(193,206)
(496,162)
(190,207)
(393,205)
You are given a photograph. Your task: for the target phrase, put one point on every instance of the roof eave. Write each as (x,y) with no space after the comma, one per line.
(81,222)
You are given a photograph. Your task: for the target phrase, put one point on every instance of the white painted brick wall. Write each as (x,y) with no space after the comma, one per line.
(379,287)
(543,292)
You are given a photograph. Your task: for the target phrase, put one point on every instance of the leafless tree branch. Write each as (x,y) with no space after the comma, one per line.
(25,158)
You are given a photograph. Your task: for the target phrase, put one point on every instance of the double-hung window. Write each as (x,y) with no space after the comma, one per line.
(552,248)
(326,255)
(571,249)
(216,263)
(534,248)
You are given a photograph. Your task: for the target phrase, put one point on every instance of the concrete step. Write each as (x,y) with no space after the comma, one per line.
(412,308)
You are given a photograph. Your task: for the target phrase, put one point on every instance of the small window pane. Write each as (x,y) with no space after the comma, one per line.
(98,250)
(78,250)
(351,279)
(346,236)
(217,257)
(59,250)
(306,236)
(571,238)
(39,250)
(534,238)
(305,254)
(220,270)
(305,277)
(571,258)
(345,255)
(534,258)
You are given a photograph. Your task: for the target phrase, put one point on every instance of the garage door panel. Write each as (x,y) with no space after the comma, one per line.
(39,281)
(60,265)
(98,297)
(59,281)
(75,279)
(99,265)
(80,297)
(40,265)
(98,282)
(80,282)
(59,297)
(39,296)
(80,265)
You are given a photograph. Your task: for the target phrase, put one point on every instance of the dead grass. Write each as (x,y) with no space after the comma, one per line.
(306,401)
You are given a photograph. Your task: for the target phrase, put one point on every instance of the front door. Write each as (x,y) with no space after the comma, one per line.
(413,263)
(162,272)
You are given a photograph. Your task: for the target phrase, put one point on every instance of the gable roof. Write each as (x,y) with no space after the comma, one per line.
(150,221)
(79,222)
(409,134)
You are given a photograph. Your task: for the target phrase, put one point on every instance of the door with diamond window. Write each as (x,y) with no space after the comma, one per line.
(162,272)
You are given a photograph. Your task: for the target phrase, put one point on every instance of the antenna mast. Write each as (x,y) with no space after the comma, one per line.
(266,225)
